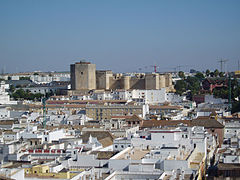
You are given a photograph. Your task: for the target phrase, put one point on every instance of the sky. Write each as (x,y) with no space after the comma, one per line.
(123,35)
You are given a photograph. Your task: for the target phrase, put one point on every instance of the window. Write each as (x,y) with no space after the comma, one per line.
(186,136)
(163,137)
(122,146)
(116,146)
(81,73)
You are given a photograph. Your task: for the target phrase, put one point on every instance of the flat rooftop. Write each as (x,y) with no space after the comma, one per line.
(133,154)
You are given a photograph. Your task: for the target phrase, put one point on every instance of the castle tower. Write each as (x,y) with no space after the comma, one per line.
(83,76)
(162,81)
(152,81)
(126,82)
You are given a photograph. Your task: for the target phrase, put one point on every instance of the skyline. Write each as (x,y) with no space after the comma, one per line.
(122,36)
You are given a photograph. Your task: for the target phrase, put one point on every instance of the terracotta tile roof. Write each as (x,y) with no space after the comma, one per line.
(9,132)
(84,101)
(5,178)
(229,166)
(7,122)
(207,123)
(231,119)
(59,106)
(107,141)
(134,118)
(209,109)
(217,80)
(158,123)
(120,117)
(104,154)
(98,134)
(164,107)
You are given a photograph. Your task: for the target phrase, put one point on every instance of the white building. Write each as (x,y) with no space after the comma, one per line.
(120,144)
(4,97)
(43,78)
(144,96)
(4,113)
(55,135)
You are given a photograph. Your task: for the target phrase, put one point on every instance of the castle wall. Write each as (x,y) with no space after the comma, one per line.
(137,83)
(168,79)
(85,77)
(115,83)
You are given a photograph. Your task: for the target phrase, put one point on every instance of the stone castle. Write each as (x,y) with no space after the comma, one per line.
(84,76)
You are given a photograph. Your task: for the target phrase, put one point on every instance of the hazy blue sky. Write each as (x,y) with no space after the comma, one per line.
(122,35)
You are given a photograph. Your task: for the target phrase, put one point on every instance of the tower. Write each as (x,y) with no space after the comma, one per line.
(83,76)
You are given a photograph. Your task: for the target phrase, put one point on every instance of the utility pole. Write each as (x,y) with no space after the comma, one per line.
(44,112)
(177,68)
(229,92)
(222,62)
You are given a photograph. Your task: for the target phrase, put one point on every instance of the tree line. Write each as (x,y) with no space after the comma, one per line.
(192,85)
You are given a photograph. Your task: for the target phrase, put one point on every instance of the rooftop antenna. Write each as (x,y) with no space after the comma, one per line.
(155,68)
(177,68)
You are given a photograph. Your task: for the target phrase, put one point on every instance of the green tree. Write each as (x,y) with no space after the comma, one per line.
(181,87)
(21,94)
(181,74)
(235,106)
(193,84)
(24,78)
(212,74)
(221,74)
(221,93)
(216,73)
(12,88)
(200,76)
(207,72)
